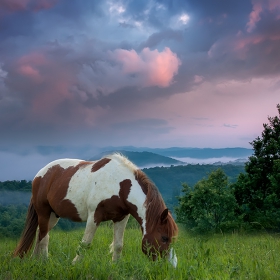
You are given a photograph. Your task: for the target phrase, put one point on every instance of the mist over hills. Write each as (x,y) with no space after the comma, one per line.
(150,157)
(168,168)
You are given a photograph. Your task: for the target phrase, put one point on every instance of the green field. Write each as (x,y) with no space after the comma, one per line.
(220,256)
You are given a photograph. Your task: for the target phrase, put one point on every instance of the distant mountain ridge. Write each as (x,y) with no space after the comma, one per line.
(143,159)
(150,157)
(178,152)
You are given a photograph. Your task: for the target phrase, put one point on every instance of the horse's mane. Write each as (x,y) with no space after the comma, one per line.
(154,201)
(154,204)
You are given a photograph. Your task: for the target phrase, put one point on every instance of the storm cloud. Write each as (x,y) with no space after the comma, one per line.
(79,75)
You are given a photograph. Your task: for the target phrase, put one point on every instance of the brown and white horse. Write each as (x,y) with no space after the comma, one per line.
(111,188)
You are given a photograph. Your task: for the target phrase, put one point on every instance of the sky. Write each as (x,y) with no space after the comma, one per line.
(76,76)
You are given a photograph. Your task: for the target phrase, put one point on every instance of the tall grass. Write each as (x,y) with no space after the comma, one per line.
(199,257)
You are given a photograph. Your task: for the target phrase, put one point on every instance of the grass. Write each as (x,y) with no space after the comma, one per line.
(220,256)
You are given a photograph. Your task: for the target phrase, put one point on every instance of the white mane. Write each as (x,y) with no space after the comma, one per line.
(123,160)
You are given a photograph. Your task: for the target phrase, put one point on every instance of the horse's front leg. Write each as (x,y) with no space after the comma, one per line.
(87,238)
(117,245)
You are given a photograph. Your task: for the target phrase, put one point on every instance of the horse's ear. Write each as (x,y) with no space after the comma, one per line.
(163,217)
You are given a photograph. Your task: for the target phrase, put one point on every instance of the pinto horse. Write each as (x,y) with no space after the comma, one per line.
(111,188)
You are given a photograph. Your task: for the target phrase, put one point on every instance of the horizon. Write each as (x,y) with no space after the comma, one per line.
(78,75)
(28,171)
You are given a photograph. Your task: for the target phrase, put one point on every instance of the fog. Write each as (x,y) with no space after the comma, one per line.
(189,160)
(14,197)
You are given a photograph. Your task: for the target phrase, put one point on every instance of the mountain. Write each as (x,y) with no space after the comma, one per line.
(143,159)
(198,153)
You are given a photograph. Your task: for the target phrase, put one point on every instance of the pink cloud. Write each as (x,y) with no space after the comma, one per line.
(254,16)
(42,82)
(273,4)
(152,67)
(14,5)
(258,7)
(30,72)
(29,66)
(241,44)
(23,5)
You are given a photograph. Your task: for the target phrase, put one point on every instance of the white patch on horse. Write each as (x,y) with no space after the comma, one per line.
(64,163)
(137,197)
(78,191)
(105,183)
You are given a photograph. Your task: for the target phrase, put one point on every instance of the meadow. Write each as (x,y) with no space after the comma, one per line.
(220,256)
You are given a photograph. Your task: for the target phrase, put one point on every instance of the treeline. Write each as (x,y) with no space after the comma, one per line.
(23,185)
(169,179)
(12,220)
(252,202)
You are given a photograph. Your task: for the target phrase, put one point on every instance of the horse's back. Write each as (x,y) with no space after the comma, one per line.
(91,185)
(64,163)
(75,188)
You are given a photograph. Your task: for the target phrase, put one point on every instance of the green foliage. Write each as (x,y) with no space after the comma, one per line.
(169,179)
(12,219)
(209,206)
(220,256)
(258,190)
(14,185)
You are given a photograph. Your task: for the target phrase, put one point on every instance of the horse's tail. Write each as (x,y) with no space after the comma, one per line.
(29,232)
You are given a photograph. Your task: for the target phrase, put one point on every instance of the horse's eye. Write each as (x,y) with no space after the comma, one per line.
(164,239)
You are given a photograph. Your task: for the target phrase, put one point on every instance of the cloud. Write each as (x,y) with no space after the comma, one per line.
(92,72)
(149,67)
(23,5)
(254,16)
(259,8)
(158,38)
(230,125)
(198,79)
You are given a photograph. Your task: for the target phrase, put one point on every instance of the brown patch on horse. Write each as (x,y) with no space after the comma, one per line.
(125,187)
(154,205)
(116,207)
(50,190)
(99,164)
(110,209)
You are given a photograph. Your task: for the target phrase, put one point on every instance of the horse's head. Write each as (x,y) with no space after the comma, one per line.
(157,240)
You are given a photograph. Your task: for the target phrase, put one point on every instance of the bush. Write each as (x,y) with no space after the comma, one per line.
(210,206)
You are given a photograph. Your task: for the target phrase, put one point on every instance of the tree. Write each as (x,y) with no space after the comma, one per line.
(258,190)
(209,206)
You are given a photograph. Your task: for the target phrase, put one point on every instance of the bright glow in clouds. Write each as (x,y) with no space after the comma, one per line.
(3,73)
(115,7)
(184,18)
(149,67)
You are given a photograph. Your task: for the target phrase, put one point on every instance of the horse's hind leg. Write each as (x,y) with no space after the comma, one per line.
(90,230)
(46,223)
(117,245)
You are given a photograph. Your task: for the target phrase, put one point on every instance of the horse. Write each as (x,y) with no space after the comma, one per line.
(111,188)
